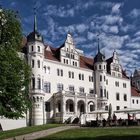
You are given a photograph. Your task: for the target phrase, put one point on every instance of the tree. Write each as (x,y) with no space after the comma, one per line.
(14,70)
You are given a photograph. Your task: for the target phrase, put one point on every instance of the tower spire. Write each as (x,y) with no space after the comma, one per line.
(98,43)
(35,22)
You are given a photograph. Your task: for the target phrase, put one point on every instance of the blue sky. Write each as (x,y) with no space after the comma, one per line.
(117,21)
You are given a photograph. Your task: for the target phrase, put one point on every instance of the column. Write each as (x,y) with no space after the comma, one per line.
(75,105)
(86,105)
(63,108)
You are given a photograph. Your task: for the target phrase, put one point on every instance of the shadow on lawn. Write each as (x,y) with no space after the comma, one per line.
(97,138)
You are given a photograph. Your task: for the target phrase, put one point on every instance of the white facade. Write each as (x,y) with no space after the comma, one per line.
(66,84)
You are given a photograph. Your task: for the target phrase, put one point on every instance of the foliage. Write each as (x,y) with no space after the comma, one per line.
(26,130)
(14,71)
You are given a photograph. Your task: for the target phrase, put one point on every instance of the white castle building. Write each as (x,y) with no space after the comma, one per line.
(65,83)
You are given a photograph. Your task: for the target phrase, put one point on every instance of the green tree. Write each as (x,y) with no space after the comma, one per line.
(14,70)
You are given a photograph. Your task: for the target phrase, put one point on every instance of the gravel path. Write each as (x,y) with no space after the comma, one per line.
(44,133)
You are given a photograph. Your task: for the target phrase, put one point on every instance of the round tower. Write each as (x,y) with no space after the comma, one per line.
(100,70)
(35,56)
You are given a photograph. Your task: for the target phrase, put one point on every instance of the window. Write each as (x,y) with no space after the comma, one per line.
(75,63)
(113,73)
(107,94)
(90,79)
(117,107)
(133,101)
(47,107)
(59,87)
(95,67)
(72,75)
(59,72)
(106,107)
(33,63)
(117,96)
(100,67)
(125,97)
(38,83)
(91,91)
(66,61)
(125,106)
(71,107)
(107,82)
(48,70)
(71,88)
(59,107)
(38,63)
(67,55)
(69,74)
(38,48)
(117,84)
(104,78)
(104,92)
(124,85)
(81,90)
(101,92)
(79,76)
(104,67)
(92,108)
(47,87)
(32,48)
(33,83)
(100,78)
(137,101)
(82,76)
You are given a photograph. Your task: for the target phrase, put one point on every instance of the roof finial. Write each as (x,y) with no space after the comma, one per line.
(98,42)
(35,22)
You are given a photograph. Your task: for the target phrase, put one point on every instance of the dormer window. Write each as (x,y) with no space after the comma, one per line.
(38,48)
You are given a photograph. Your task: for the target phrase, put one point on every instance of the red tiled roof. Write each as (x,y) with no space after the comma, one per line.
(135,91)
(54,54)
(86,62)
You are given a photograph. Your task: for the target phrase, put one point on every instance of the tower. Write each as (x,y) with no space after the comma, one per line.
(100,79)
(35,56)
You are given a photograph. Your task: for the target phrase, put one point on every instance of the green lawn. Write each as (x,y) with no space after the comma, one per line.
(26,130)
(123,133)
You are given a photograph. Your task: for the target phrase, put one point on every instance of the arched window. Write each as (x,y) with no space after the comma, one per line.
(38,63)
(33,63)
(33,82)
(38,83)
(38,48)
(32,47)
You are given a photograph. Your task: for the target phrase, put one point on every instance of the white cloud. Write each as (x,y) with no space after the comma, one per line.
(116,8)
(135,13)
(110,19)
(137,33)
(81,27)
(114,29)
(110,29)
(61,11)
(91,36)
